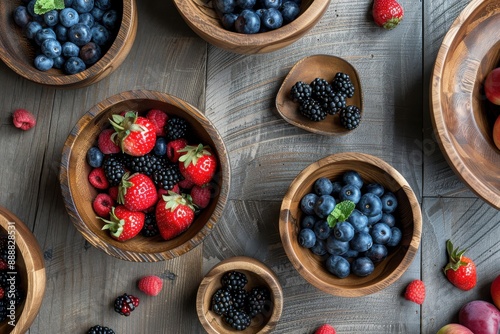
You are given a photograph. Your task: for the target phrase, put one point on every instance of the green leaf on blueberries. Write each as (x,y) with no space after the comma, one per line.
(340,213)
(44,6)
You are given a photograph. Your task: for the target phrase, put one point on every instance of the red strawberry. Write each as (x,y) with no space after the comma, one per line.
(387,13)
(186,184)
(134,134)
(173,148)
(105,144)
(174,214)
(415,292)
(197,164)
(159,119)
(201,195)
(102,205)
(150,285)
(460,270)
(23,119)
(325,329)
(124,224)
(137,192)
(97,178)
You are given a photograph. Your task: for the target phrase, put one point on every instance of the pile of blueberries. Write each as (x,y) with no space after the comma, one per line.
(254,16)
(364,238)
(71,39)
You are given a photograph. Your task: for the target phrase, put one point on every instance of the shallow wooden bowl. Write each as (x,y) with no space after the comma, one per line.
(30,267)
(461,115)
(408,215)
(306,70)
(258,274)
(203,20)
(18,53)
(78,193)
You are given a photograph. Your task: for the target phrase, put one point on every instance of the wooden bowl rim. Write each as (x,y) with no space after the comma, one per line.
(96,240)
(256,266)
(451,154)
(309,275)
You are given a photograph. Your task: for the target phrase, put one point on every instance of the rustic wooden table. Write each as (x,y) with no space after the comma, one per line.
(237,94)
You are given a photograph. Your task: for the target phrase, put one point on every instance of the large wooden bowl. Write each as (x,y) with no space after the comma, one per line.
(18,53)
(30,267)
(460,113)
(408,216)
(201,17)
(258,274)
(78,193)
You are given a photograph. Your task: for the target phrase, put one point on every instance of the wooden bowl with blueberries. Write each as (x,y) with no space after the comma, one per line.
(350,224)
(67,47)
(258,26)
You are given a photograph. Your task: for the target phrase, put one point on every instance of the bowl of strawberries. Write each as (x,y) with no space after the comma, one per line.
(145,176)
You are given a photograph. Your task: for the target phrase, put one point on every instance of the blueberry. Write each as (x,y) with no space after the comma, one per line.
(323,186)
(110,19)
(248,22)
(307,203)
(160,148)
(51,48)
(338,266)
(51,18)
(389,202)
(44,34)
(388,219)
(343,231)
(68,17)
(87,19)
(370,204)
(21,16)
(372,220)
(324,206)
(307,221)
(336,188)
(61,33)
(335,246)
(95,157)
(225,6)
(362,266)
(319,247)
(289,10)
(375,188)
(31,29)
(272,19)
(350,192)
(79,34)
(100,35)
(358,220)
(97,13)
(307,238)
(270,4)
(70,49)
(102,4)
(68,3)
(58,62)
(396,236)
(227,20)
(90,53)
(74,65)
(376,253)
(322,229)
(246,4)
(30,7)
(352,177)
(381,233)
(361,242)
(83,6)
(43,63)
(351,253)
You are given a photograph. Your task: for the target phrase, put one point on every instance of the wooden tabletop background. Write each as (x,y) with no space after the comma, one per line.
(237,94)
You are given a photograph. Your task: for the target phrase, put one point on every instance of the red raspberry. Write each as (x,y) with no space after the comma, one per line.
(97,178)
(415,291)
(325,329)
(113,192)
(201,195)
(186,184)
(23,119)
(102,205)
(172,148)
(105,144)
(150,285)
(159,119)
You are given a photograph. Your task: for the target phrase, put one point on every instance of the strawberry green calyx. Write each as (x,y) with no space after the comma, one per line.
(114,225)
(340,212)
(123,186)
(392,23)
(193,153)
(454,257)
(124,125)
(172,200)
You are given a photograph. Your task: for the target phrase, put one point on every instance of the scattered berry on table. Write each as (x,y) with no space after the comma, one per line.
(387,13)
(460,269)
(325,329)
(151,285)
(100,330)
(125,304)
(350,117)
(23,119)
(415,292)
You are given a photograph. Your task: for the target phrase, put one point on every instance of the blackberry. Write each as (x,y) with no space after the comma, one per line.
(350,117)
(239,320)
(311,109)
(100,330)
(342,83)
(320,88)
(125,304)
(176,128)
(3,309)
(240,298)
(150,228)
(145,164)
(259,300)
(300,91)
(167,177)
(114,168)
(222,301)
(234,280)
(333,103)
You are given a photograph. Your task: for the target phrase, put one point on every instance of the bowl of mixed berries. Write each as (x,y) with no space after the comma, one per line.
(350,224)
(145,176)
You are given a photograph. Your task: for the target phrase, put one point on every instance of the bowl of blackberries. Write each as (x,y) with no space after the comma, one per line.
(251,26)
(144,176)
(66,43)
(350,224)
(239,294)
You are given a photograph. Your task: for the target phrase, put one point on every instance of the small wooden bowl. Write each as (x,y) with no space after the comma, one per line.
(408,215)
(30,267)
(78,193)
(461,114)
(17,52)
(306,70)
(258,274)
(201,17)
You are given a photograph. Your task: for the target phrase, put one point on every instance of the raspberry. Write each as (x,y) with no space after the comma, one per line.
(23,119)
(113,192)
(415,291)
(186,184)
(97,178)
(201,195)
(105,144)
(150,285)
(102,205)
(172,148)
(325,329)
(159,119)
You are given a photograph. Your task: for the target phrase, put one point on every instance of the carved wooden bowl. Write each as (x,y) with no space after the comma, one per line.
(461,115)
(18,53)
(30,267)
(408,216)
(203,20)
(258,274)
(78,193)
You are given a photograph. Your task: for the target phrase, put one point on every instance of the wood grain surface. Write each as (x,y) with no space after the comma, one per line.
(237,94)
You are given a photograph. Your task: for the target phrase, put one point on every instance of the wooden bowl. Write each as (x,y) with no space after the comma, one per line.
(258,274)
(459,109)
(201,17)
(18,53)
(78,193)
(408,216)
(30,267)
(306,70)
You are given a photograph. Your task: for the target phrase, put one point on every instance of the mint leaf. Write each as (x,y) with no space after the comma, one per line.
(340,213)
(44,6)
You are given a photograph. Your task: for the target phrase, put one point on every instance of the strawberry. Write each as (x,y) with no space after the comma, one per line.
(23,119)
(415,292)
(174,214)
(105,144)
(102,205)
(387,13)
(159,119)
(325,329)
(150,285)
(134,134)
(124,224)
(201,195)
(137,192)
(97,178)
(460,270)
(197,164)
(173,148)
